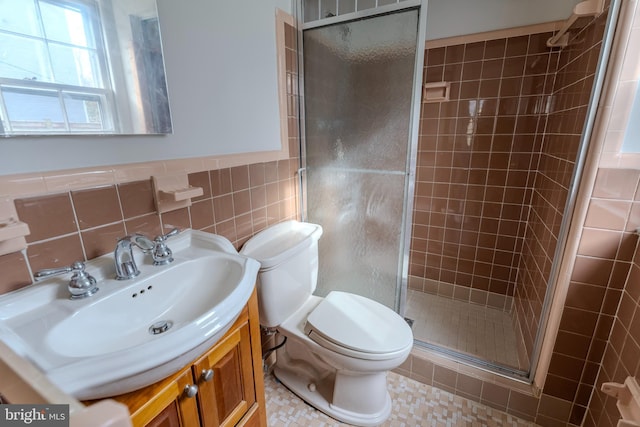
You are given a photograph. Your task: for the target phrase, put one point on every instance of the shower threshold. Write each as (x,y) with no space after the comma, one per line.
(467,359)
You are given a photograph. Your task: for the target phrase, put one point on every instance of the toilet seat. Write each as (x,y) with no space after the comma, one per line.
(358,327)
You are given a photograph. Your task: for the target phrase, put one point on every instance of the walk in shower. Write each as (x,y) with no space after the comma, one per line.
(456,223)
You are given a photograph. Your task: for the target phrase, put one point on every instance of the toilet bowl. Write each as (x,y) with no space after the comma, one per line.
(339,348)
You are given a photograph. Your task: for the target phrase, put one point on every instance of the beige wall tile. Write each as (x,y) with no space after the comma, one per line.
(47,216)
(96,207)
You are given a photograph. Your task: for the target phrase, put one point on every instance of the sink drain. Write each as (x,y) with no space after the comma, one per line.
(160,327)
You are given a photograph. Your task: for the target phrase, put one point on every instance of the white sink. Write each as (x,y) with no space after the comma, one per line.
(135,332)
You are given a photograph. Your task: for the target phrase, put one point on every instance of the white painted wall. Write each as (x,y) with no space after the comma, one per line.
(222,78)
(448,18)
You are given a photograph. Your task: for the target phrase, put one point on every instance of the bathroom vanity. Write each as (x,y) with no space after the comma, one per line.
(177,343)
(222,387)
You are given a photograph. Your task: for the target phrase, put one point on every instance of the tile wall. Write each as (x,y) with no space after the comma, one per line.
(568,106)
(478,155)
(602,320)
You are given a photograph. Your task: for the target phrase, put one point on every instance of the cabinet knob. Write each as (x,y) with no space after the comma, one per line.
(206,375)
(190,390)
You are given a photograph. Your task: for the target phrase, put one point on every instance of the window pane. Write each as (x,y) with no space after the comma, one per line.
(66,24)
(328,8)
(19,16)
(24,59)
(84,112)
(75,66)
(32,111)
(366,4)
(311,10)
(346,6)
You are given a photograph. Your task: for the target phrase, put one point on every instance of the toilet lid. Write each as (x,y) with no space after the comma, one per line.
(359,324)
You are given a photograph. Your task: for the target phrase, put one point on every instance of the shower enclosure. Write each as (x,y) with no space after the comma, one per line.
(458,226)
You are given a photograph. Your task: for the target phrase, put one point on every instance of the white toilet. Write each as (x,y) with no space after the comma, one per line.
(339,348)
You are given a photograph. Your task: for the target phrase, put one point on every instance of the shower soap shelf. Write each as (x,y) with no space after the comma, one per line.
(585,9)
(436,92)
(628,395)
(174,192)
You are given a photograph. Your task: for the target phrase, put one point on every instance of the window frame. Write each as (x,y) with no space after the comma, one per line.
(104,95)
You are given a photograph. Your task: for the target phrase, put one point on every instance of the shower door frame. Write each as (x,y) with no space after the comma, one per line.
(414,122)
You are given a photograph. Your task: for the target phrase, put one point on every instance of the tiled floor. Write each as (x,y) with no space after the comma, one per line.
(477,330)
(414,404)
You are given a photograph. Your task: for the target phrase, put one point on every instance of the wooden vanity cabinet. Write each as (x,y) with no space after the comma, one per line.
(225,381)
(167,406)
(229,385)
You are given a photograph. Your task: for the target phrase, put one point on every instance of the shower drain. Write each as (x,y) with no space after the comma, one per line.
(160,327)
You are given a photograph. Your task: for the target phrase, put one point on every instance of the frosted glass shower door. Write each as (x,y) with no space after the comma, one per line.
(358,95)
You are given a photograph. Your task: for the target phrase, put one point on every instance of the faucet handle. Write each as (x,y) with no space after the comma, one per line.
(161,253)
(81,285)
(164,237)
(76,267)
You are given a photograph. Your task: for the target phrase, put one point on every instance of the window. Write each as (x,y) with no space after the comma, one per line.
(52,52)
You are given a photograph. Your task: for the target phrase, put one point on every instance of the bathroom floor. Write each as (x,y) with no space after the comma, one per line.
(414,404)
(477,330)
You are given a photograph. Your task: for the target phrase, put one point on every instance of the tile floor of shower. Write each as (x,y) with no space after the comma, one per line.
(483,332)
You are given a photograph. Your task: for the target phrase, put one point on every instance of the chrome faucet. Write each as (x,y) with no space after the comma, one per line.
(81,285)
(126,267)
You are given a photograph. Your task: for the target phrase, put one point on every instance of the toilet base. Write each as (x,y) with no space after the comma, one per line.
(356,391)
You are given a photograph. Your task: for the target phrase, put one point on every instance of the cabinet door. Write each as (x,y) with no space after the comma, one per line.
(169,407)
(169,417)
(252,419)
(225,379)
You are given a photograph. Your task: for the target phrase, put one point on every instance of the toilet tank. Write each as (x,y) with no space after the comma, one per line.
(288,254)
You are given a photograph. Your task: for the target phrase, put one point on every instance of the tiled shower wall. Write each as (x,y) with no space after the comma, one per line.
(568,105)
(84,224)
(478,155)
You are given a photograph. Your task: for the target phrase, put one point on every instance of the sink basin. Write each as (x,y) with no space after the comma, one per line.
(131,333)
(168,298)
